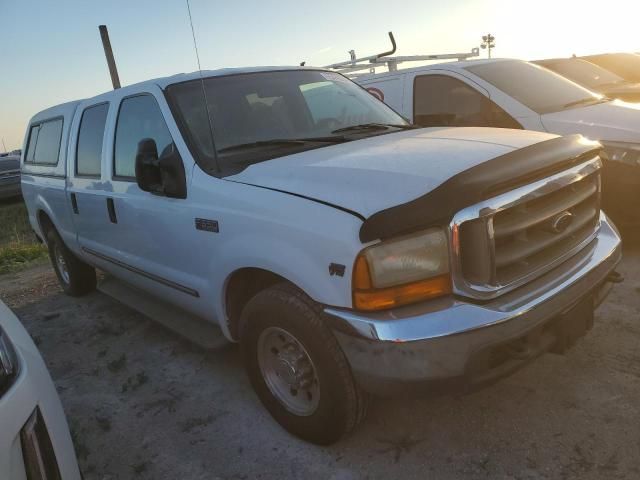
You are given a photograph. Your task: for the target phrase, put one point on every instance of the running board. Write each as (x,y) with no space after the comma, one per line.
(185,324)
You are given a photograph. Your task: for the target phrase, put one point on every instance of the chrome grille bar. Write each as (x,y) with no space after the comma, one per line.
(505,241)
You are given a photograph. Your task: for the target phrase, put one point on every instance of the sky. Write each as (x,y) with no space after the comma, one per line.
(50,50)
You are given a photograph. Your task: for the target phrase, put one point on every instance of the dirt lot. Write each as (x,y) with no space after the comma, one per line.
(145,404)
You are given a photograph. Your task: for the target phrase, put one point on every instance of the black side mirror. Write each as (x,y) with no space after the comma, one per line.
(147,166)
(162,175)
(174,181)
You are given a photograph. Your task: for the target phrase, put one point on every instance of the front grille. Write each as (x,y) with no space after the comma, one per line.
(530,235)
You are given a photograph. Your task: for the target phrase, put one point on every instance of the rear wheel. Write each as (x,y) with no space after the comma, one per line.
(75,277)
(297,367)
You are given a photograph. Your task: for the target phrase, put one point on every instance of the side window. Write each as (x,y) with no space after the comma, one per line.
(90,137)
(31,146)
(44,143)
(440,100)
(139,118)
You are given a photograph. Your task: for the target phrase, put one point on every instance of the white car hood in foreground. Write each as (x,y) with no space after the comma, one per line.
(379,172)
(613,121)
(32,388)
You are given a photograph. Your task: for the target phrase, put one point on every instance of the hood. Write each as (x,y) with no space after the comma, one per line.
(371,174)
(625,92)
(615,121)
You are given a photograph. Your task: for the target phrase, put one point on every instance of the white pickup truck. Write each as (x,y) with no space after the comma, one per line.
(345,250)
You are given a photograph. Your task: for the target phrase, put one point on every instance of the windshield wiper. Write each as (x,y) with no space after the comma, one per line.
(374,126)
(284,141)
(585,101)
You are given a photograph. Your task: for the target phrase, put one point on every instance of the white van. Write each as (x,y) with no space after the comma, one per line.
(517,94)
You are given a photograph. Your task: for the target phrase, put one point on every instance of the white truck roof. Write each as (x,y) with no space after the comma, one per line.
(67,109)
(62,110)
(164,82)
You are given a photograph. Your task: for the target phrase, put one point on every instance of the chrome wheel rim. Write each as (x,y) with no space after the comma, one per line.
(61,264)
(288,371)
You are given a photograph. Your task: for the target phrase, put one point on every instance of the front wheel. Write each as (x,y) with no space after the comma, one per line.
(297,367)
(75,277)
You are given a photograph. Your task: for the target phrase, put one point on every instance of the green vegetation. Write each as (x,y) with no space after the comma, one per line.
(18,245)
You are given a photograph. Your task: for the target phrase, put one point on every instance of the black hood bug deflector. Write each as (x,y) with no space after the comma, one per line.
(478,183)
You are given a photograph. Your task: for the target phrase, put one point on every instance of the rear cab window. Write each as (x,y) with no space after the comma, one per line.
(43,147)
(90,141)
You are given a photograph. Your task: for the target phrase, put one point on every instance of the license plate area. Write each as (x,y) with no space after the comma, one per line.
(573,324)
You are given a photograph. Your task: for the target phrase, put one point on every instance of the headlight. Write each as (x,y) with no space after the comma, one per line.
(402,271)
(628,153)
(8,363)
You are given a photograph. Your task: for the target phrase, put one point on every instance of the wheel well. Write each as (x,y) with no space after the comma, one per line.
(243,285)
(45,224)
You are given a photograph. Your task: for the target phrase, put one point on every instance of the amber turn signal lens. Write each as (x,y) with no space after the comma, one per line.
(361,274)
(365,297)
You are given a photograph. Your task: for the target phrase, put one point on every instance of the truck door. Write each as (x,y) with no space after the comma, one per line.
(148,235)
(441,98)
(86,188)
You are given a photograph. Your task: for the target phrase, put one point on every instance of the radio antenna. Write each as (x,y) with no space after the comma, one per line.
(204,91)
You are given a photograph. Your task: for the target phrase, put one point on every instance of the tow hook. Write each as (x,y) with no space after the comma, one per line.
(615,277)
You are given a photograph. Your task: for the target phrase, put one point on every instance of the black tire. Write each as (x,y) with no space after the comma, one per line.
(342,404)
(79,278)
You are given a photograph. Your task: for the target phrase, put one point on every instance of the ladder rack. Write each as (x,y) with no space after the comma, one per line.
(350,67)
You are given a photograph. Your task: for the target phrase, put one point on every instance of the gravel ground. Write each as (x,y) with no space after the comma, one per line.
(144,404)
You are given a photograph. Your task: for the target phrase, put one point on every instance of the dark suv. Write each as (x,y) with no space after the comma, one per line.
(9,176)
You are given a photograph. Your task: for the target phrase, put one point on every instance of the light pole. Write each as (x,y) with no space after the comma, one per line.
(488,42)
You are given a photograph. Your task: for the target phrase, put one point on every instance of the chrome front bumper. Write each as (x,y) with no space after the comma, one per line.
(439,341)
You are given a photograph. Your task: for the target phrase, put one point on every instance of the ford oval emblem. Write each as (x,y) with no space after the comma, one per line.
(561,221)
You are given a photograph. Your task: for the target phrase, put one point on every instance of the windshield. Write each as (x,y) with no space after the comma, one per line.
(537,88)
(583,72)
(259,116)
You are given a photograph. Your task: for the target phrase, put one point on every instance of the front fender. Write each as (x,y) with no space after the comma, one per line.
(306,268)
(295,238)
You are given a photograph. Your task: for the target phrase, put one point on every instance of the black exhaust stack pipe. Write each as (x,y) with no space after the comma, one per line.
(111,62)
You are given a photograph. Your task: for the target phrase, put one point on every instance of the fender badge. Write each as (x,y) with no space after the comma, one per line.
(207,225)
(336,269)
